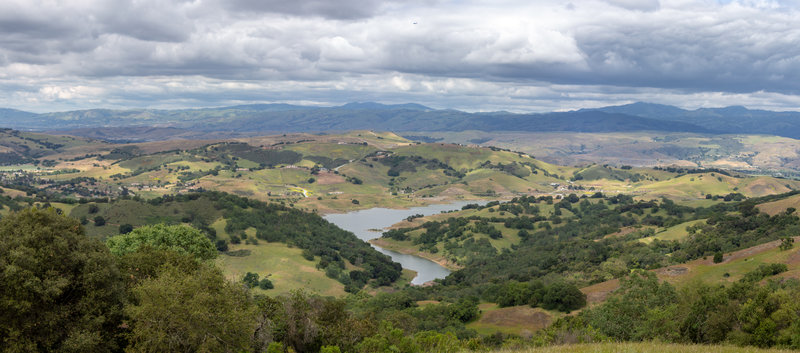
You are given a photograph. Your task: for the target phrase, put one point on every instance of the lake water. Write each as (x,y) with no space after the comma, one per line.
(360,223)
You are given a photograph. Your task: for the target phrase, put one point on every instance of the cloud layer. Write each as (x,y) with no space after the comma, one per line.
(473,55)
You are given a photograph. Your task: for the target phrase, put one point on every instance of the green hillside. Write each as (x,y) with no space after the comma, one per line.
(555,249)
(640,348)
(18,147)
(252,236)
(357,170)
(761,154)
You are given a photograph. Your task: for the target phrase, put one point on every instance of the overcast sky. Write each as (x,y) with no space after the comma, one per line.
(517,55)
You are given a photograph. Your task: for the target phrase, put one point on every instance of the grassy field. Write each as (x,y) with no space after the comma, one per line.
(284,266)
(745,152)
(332,150)
(677,232)
(517,320)
(733,267)
(644,347)
(775,207)
(174,171)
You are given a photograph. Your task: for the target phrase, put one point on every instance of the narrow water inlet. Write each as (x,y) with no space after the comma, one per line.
(361,222)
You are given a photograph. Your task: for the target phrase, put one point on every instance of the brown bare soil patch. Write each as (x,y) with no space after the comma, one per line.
(598,292)
(517,316)
(427,302)
(794,258)
(624,231)
(672,271)
(453,191)
(406,224)
(328,178)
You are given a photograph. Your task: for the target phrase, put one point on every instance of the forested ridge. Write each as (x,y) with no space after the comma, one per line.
(158,291)
(577,245)
(335,248)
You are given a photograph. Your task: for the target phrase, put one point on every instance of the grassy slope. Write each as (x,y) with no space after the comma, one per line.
(641,148)
(732,268)
(517,320)
(775,207)
(284,266)
(676,232)
(644,347)
(336,193)
(695,186)
(38,145)
(287,268)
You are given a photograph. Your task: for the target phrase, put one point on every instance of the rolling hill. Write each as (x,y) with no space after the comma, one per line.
(521,258)
(360,169)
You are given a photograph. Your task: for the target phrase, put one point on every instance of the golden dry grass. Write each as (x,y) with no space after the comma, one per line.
(775,207)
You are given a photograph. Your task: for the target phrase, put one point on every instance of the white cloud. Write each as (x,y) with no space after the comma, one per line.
(515,54)
(639,5)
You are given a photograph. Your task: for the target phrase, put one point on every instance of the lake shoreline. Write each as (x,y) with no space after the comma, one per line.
(432,202)
(364,223)
(438,259)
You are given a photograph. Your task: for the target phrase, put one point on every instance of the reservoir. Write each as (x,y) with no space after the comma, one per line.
(360,223)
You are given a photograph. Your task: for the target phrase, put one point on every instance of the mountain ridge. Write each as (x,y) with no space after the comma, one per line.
(281,117)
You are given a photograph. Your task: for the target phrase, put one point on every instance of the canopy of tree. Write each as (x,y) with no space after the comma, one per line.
(179,238)
(59,290)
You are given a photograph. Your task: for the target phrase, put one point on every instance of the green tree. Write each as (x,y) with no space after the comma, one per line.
(635,310)
(125,228)
(464,310)
(148,262)
(59,290)
(563,297)
(513,293)
(190,312)
(251,279)
(179,238)
(221,245)
(265,284)
(787,243)
(388,339)
(99,221)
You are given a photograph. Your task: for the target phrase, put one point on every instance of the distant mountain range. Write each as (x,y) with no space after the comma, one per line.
(272,118)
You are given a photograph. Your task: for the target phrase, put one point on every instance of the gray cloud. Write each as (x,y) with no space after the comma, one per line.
(342,9)
(639,5)
(510,52)
(146,20)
